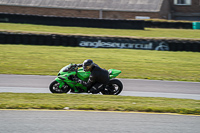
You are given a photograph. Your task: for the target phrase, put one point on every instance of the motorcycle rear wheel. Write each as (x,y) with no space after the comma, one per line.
(114,87)
(54,88)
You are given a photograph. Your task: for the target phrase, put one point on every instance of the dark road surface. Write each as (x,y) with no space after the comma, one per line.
(132,87)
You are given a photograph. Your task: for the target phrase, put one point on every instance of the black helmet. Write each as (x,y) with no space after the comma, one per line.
(87,65)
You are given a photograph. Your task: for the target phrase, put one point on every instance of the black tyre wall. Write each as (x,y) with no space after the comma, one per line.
(98,42)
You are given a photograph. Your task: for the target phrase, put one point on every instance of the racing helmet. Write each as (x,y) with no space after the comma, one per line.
(87,65)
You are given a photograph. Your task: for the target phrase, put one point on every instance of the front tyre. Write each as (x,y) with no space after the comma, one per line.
(54,88)
(114,87)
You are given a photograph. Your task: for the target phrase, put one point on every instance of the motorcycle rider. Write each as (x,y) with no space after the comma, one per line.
(97,78)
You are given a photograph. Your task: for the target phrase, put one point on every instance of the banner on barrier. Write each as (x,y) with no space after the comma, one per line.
(144,45)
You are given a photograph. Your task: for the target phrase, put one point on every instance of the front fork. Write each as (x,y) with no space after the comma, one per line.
(63,81)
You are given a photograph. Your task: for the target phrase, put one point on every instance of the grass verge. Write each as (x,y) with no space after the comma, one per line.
(98,102)
(148,32)
(137,64)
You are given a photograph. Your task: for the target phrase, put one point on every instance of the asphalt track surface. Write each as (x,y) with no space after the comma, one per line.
(23,121)
(132,87)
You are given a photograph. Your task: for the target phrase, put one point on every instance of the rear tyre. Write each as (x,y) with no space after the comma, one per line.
(54,88)
(114,87)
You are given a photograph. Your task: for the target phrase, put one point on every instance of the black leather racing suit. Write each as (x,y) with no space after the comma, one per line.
(97,79)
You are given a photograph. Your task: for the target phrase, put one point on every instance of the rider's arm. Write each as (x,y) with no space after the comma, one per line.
(89,83)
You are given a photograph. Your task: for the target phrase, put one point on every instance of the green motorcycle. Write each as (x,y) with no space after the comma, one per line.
(64,82)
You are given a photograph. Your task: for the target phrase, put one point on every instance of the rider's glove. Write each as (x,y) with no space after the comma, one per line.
(77,80)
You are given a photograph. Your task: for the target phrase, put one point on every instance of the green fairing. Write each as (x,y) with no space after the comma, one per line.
(82,74)
(114,73)
(66,71)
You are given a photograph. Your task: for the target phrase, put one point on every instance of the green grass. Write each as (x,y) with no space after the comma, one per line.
(98,102)
(137,64)
(148,32)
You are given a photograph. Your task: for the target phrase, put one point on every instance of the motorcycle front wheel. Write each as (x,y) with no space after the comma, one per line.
(54,88)
(114,87)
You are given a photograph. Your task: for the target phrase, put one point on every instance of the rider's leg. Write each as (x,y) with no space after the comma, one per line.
(96,88)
